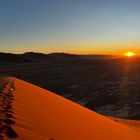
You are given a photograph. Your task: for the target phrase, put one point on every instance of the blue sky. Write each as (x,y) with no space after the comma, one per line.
(75,26)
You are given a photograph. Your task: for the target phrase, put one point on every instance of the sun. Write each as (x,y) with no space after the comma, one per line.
(129,54)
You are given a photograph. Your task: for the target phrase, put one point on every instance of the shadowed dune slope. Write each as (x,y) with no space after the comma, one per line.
(42,115)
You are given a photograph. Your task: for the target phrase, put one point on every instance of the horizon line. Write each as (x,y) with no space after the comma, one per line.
(59,52)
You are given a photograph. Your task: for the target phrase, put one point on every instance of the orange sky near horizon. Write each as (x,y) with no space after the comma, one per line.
(73,48)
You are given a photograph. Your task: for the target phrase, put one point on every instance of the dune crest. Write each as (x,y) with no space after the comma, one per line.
(42,115)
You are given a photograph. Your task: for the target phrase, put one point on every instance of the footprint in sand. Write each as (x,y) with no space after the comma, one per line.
(9,131)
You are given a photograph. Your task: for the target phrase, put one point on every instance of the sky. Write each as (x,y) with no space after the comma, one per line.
(72,26)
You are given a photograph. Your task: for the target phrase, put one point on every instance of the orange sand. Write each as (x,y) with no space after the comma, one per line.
(40,115)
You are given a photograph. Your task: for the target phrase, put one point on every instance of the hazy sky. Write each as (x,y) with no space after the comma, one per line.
(74,26)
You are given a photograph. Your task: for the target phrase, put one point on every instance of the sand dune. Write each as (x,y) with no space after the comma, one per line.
(41,115)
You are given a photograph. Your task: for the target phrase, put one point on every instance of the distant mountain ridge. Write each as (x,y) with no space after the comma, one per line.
(61,56)
(51,57)
(38,57)
(9,57)
(54,56)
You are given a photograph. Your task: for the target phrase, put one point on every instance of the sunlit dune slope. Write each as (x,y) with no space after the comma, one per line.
(42,115)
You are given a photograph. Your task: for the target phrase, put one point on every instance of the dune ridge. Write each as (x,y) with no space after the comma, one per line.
(42,115)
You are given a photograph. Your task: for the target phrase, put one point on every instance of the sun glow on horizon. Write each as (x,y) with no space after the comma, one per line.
(129,54)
